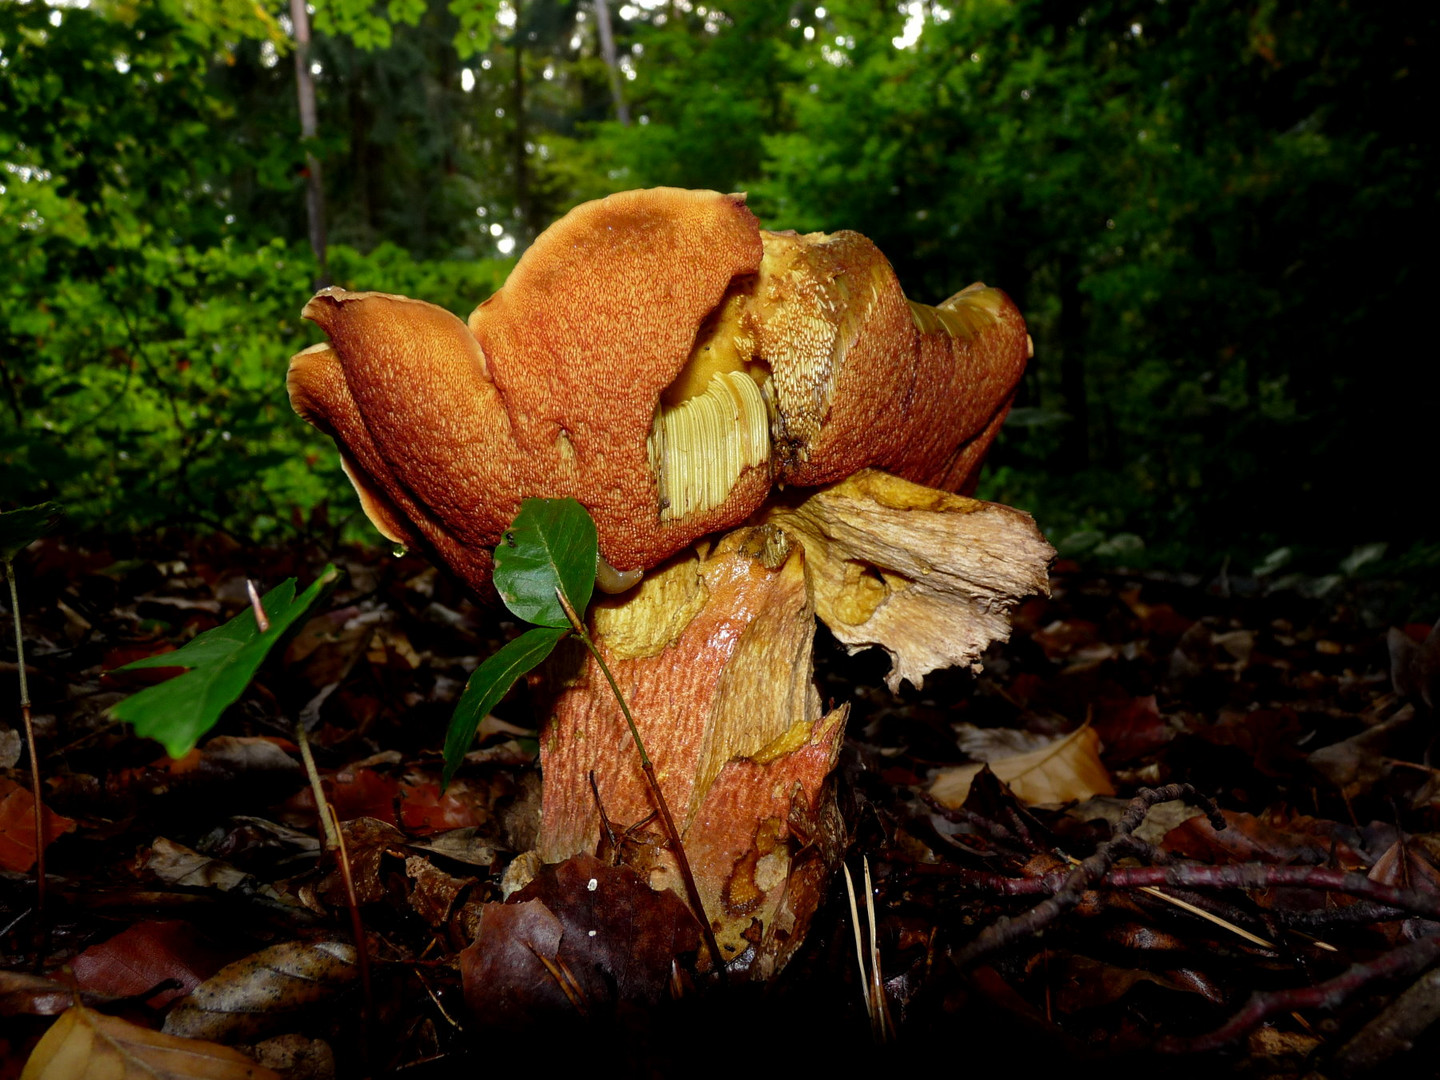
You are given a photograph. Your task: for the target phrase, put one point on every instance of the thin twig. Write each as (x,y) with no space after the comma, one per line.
(332,835)
(29,726)
(1264,876)
(1387,902)
(1407,960)
(1087,874)
(262,623)
(1199,912)
(993,830)
(692,893)
(357,927)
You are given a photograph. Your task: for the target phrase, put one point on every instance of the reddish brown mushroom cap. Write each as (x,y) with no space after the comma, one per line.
(657,357)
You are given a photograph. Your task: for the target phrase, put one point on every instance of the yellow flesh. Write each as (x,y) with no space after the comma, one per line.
(717,418)
(699,448)
(714,419)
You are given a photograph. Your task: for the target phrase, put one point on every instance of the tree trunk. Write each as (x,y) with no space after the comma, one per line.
(607,53)
(524,230)
(305,92)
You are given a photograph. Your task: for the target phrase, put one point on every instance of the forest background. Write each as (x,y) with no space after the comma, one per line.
(1215,216)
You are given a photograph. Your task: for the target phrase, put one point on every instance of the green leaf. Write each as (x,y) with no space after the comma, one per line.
(222,662)
(476,25)
(21,528)
(489,684)
(552,542)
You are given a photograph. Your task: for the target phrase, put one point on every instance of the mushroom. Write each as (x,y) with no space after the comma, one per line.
(660,358)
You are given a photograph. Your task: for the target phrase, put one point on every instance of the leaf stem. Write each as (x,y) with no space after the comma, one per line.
(29,745)
(331,835)
(692,893)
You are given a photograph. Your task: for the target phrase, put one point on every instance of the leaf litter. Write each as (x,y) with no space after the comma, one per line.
(1310,723)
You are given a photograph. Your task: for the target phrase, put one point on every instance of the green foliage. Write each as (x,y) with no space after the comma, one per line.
(708,91)
(143,332)
(551,545)
(1173,194)
(364,23)
(476,19)
(491,681)
(156,392)
(222,662)
(1195,205)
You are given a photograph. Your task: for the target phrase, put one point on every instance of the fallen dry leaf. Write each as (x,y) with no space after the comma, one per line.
(510,975)
(1299,841)
(176,864)
(22,994)
(17,827)
(1415,664)
(1066,770)
(87,1045)
(1082,982)
(138,959)
(262,993)
(582,937)
(9,748)
(296,1057)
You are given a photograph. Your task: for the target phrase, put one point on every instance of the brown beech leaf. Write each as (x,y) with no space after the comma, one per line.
(1415,663)
(144,955)
(436,894)
(1403,865)
(617,928)
(580,937)
(509,973)
(1130,728)
(176,864)
(370,842)
(1247,838)
(264,992)
(296,1057)
(1066,770)
(17,827)
(84,1044)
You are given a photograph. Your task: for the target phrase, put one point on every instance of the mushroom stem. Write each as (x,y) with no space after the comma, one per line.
(677,846)
(713,651)
(713,655)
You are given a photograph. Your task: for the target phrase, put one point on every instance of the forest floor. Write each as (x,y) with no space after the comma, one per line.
(1303,951)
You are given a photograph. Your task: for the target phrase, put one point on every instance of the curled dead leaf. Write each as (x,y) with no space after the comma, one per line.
(83,1044)
(581,937)
(264,992)
(1065,770)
